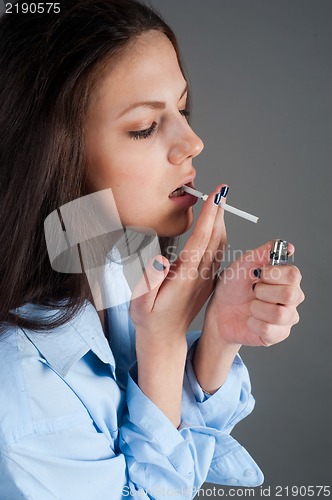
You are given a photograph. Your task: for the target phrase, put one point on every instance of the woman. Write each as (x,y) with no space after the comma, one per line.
(97,404)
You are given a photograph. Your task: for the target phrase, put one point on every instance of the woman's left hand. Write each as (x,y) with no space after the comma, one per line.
(254,303)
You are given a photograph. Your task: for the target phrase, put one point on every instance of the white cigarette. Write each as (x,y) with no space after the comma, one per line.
(223,205)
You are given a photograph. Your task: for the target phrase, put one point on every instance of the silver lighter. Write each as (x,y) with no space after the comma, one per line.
(279,253)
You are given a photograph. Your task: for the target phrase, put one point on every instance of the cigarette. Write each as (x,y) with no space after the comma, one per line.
(225,206)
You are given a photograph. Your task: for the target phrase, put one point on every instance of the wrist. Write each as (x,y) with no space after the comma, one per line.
(221,332)
(213,358)
(161,365)
(158,345)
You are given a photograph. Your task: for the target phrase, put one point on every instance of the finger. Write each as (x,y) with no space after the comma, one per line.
(261,255)
(214,252)
(199,240)
(146,290)
(258,257)
(291,249)
(281,275)
(275,314)
(279,294)
(257,261)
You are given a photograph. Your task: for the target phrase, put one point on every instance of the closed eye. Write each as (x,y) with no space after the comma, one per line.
(143,134)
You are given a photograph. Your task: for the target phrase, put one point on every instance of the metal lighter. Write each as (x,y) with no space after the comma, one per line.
(279,253)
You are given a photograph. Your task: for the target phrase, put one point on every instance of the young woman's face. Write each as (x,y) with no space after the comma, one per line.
(138,139)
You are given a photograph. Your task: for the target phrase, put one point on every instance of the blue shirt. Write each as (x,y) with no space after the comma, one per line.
(75,425)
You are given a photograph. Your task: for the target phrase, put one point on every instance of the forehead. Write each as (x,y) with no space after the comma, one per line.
(147,67)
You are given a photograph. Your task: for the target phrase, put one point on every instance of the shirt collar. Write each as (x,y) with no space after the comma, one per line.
(65,345)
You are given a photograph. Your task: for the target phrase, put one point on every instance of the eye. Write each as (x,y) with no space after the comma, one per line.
(185,113)
(143,134)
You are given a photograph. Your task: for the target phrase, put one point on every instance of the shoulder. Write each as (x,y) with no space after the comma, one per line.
(35,397)
(14,346)
(15,350)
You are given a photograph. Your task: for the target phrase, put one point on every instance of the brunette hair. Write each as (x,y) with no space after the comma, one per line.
(49,64)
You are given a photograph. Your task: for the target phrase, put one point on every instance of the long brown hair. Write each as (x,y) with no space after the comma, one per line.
(49,63)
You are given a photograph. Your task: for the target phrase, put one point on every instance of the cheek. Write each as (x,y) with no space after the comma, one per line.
(117,162)
(106,166)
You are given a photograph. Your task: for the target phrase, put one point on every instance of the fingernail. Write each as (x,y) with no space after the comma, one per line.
(224,191)
(257,273)
(217,198)
(158,266)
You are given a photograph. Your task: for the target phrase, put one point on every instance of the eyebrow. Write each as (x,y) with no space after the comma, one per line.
(150,104)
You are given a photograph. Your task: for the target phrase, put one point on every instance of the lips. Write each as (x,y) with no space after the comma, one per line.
(177,192)
(180,192)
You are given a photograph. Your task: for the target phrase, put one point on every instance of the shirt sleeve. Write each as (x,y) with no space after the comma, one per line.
(165,462)
(227,406)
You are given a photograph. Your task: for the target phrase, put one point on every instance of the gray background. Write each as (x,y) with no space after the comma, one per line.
(261,76)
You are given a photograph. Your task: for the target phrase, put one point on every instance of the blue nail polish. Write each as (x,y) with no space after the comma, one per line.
(158,266)
(257,273)
(224,191)
(217,198)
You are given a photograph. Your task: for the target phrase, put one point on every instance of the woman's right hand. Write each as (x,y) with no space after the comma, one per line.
(163,315)
(179,291)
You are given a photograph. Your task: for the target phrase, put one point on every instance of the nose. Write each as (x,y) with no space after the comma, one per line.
(185,144)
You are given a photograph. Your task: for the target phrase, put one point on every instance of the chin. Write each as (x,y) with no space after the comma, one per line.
(177,227)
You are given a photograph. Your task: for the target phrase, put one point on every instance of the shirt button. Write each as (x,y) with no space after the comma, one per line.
(250,473)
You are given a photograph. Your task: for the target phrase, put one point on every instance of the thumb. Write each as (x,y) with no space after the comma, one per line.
(146,290)
(261,255)
(256,258)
